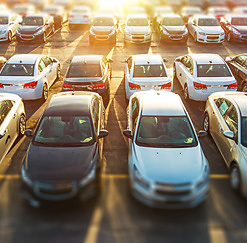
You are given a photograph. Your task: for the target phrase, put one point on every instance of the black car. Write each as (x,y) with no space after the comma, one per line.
(238,66)
(35,28)
(89,73)
(65,154)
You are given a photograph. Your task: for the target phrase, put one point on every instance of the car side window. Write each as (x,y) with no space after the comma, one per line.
(134,113)
(5,107)
(41,66)
(189,65)
(194,21)
(95,112)
(223,106)
(47,60)
(241,59)
(129,63)
(232,120)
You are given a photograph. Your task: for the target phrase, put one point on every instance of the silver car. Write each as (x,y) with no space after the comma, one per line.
(167,167)
(225,118)
(12,121)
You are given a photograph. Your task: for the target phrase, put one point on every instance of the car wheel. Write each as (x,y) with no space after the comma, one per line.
(228,37)
(58,72)
(45,92)
(235,178)
(22,125)
(195,37)
(244,87)
(186,93)
(9,36)
(206,123)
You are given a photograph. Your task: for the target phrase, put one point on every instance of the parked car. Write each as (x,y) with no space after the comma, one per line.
(3,7)
(12,121)
(64,157)
(203,74)
(205,29)
(137,29)
(235,27)
(171,27)
(188,11)
(89,73)
(240,10)
(59,14)
(29,75)
(238,66)
(145,72)
(35,27)
(9,22)
(79,16)
(24,9)
(103,29)
(225,118)
(167,167)
(218,11)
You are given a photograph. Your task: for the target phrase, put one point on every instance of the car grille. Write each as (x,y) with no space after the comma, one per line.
(102,32)
(176,32)
(27,37)
(138,37)
(173,190)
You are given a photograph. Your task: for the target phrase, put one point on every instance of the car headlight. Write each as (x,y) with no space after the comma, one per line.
(165,31)
(185,32)
(25,177)
(222,33)
(235,32)
(139,178)
(201,33)
(205,177)
(3,31)
(112,32)
(89,177)
(39,32)
(127,32)
(91,31)
(17,32)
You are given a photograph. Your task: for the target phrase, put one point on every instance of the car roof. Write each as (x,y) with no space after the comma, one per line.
(206,58)
(104,15)
(25,58)
(137,16)
(170,15)
(70,103)
(42,15)
(204,16)
(86,59)
(161,103)
(9,96)
(147,58)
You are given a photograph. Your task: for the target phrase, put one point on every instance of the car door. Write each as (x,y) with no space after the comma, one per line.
(8,126)
(105,71)
(127,71)
(238,67)
(43,72)
(51,70)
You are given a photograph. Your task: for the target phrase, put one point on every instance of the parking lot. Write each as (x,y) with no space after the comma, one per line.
(114,216)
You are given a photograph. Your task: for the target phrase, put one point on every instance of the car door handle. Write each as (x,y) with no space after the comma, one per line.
(2,135)
(220,129)
(7,139)
(180,74)
(14,116)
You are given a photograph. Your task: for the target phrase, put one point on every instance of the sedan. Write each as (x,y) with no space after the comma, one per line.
(79,16)
(35,28)
(12,121)
(225,118)
(145,72)
(64,157)
(166,164)
(29,75)
(24,9)
(238,65)
(203,74)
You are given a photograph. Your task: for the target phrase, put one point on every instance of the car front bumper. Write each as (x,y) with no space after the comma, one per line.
(212,38)
(137,38)
(29,38)
(174,37)
(102,38)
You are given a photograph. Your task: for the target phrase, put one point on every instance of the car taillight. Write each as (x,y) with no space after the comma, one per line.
(31,85)
(97,86)
(1,85)
(232,86)
(134,86)
(85,16)
(166,86)
(67,87)
(199,86)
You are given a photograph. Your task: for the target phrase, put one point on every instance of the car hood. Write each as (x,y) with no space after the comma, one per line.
(150,80)
(241,29)
(217,80)
(170,165)
(211,29)
(29,29)
(16,80)
(137,29)
(102,29)
(174,28)
(58,163)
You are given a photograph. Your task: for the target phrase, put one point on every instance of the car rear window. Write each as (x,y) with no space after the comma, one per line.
(173,21)
(103,22)
(18,70)
(4,20)
(137,22)
(208,22)
(213,70)
(81,71)
(239,21)
(149,71)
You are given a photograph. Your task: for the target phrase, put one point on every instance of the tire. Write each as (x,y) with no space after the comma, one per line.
(206,123)
(45,92)
(235,178)
(195,37)
(186,93)
(244,87)
(9,36)
(58,73)
(22,125)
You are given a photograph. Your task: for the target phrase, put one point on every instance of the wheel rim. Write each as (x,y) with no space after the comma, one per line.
(206,123)
(186,94)
(22,125)
(234,178)
(45,92)
(244,88)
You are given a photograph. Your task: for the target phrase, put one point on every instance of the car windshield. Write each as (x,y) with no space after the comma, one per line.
(213,70)
(81,71)
(18,70)
(4,20)
(173,22)
(64,131)
(80,10)
(137,22)
(165,131)
(32,21)
(208,22)
(50,10)
(156,70)
(239,21)
(244,131)
(103,22)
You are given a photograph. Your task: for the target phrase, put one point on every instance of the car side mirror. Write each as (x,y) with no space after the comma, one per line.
(103,133)
(28,133)
(109,60)
(230,135)
(202,134)
(165,60)
(127,133)
(228,59)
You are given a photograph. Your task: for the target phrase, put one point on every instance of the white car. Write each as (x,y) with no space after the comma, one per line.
(145,72)
(9,22)
(205,29)
(225,118)
(29,75)
(79,15)
(203,74)
(218,12)
(12,121)
(167,167)
(137,29)
(24,9)
(240,10)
